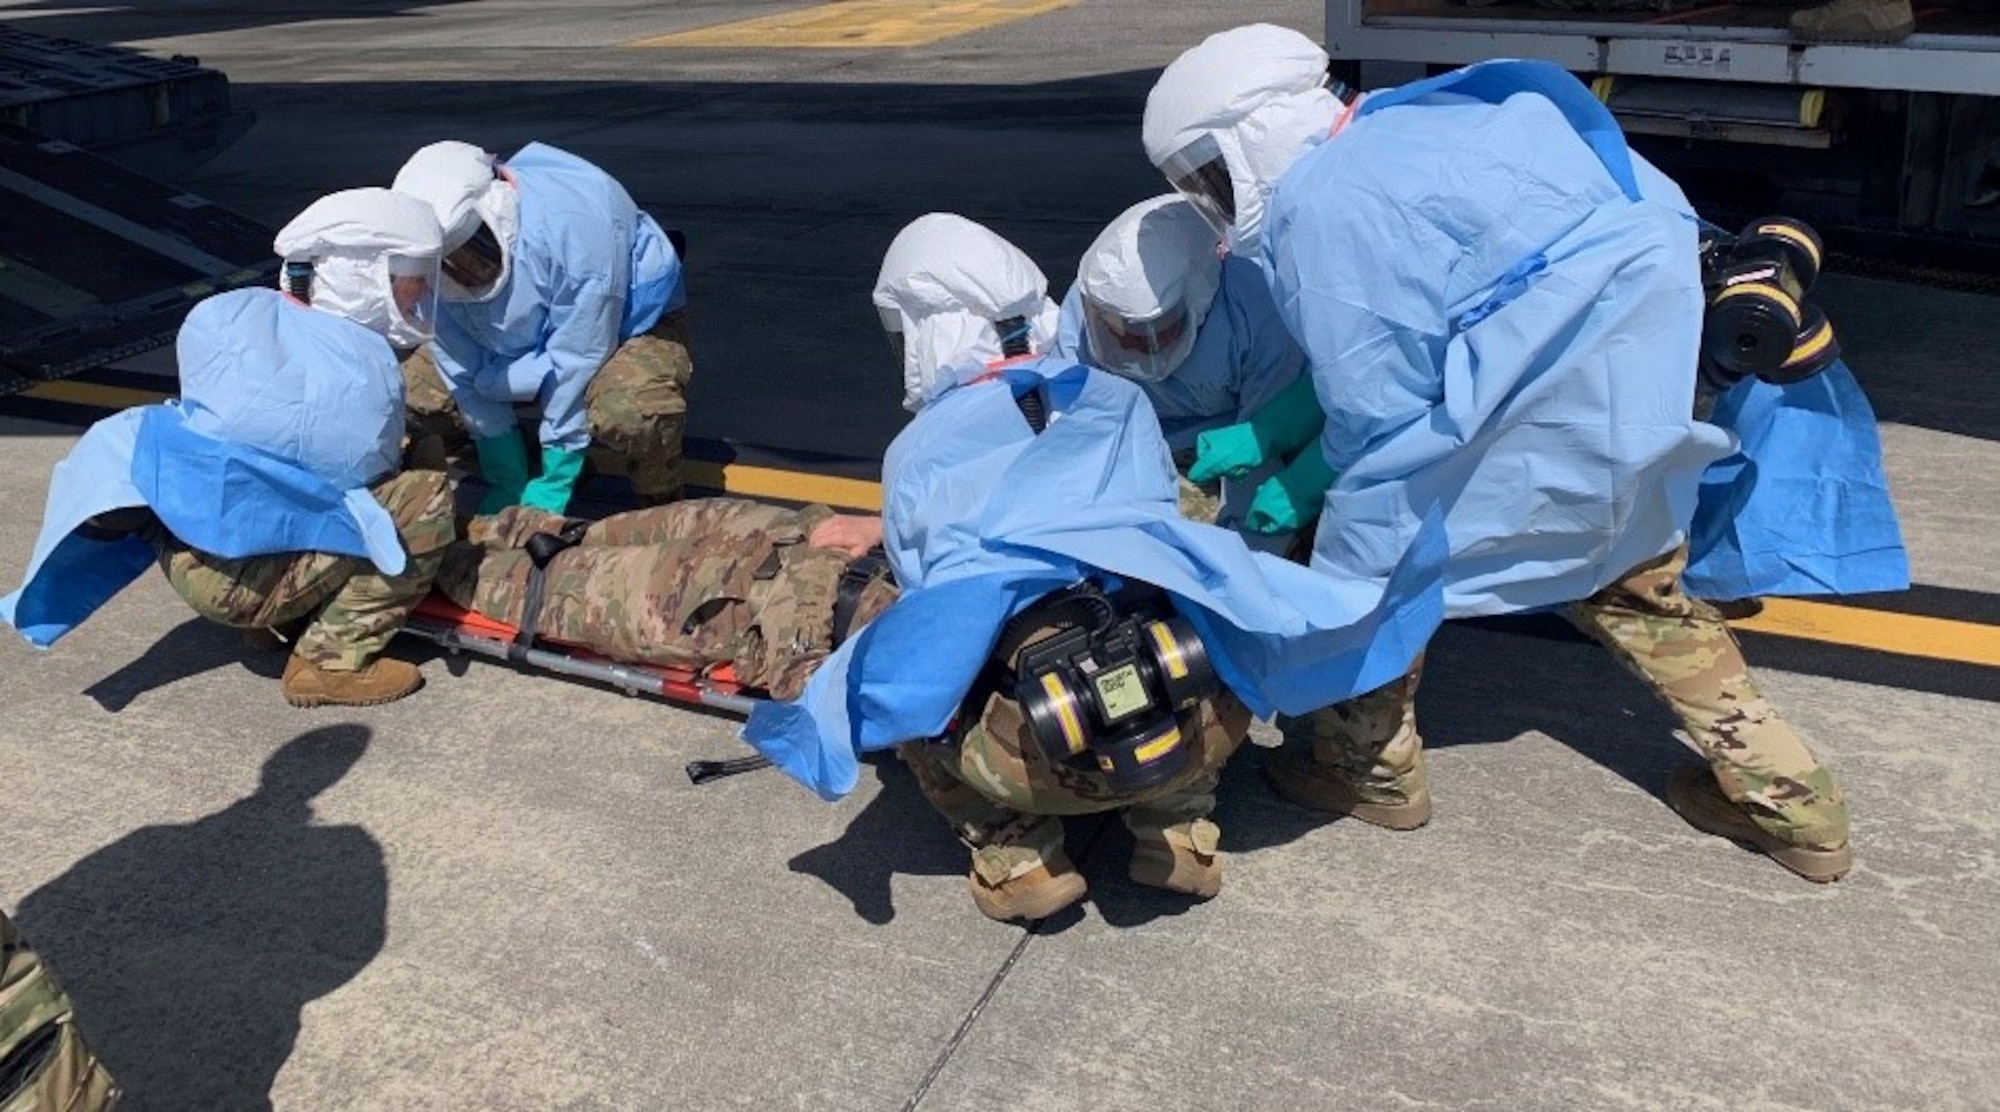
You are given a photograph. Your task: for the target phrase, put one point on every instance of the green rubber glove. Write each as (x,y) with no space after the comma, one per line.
(551,489)
(1286,501)
(1282,426)
(503,463)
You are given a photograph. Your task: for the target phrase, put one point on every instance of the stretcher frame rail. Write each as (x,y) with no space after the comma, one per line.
(457,630)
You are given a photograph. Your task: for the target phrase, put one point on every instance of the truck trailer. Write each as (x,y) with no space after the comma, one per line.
(1894,147)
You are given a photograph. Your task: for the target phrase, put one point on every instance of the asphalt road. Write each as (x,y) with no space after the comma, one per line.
(502,893)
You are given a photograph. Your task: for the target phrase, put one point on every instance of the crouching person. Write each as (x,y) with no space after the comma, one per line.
(269,492)
(765,589)
(1048,655)
(1002,779)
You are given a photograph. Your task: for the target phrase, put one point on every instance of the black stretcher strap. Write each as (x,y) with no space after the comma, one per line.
(854,579)
(542,549)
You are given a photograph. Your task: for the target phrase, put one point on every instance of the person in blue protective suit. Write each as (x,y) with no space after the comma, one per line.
(1155,302)
(1501,326)
(1029,515)
(561,294)
(269,493)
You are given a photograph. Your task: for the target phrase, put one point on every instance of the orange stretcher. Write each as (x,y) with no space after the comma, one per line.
(455,629)
(452,627)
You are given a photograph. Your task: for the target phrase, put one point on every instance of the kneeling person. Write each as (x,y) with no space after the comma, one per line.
(1020,757)
(558,292)
(269,493)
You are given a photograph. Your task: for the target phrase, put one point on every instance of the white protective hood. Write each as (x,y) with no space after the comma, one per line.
(944,281)
(1157,257)
(460,183)
(1259,94)
(356,240)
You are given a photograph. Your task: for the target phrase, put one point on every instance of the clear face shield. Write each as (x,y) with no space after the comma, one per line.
(473,270)
(413,299)
(892,326)
(1199,173)
(1147,350)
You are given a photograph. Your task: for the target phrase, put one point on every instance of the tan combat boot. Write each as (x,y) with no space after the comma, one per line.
(1695,796)
(1856,21)
(1324,787)
(1014,883)
(1179,858)
(382,680)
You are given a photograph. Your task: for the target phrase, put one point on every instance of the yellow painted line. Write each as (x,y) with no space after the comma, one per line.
(1903,634)
(861,23)
(94,394)
(792,486)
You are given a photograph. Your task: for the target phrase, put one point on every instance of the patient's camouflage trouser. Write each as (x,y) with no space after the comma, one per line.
(354,608)
(1198,501)
(691,585)
(1002,794)
(44,1064)
(636,406)
(1680,648)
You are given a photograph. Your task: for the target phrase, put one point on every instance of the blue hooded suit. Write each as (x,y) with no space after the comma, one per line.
(287,415)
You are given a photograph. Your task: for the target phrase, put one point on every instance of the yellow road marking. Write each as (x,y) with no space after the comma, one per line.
(93,394)
(861,23)
(1903,634)
(792,486)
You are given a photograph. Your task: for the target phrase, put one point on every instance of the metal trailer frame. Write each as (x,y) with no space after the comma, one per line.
(100,263)
(1925,63)
(161,115)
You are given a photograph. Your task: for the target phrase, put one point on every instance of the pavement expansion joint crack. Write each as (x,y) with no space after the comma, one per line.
(992,989)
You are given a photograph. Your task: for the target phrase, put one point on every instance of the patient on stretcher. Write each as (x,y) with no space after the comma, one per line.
(692,584)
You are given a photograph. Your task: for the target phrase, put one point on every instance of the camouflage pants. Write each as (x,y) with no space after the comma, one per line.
(44,1064)
(354,609)
(692,585)
(1001,793)
(1199,502)
(1680,648)
(636,406)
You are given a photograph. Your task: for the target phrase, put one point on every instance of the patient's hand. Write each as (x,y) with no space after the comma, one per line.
(853,534)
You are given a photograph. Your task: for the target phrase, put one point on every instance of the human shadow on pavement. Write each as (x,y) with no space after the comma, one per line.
(896,832)
(1554,681)
(187,650)
(191,949)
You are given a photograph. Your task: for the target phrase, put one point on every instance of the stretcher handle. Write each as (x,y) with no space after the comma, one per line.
(701,772)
